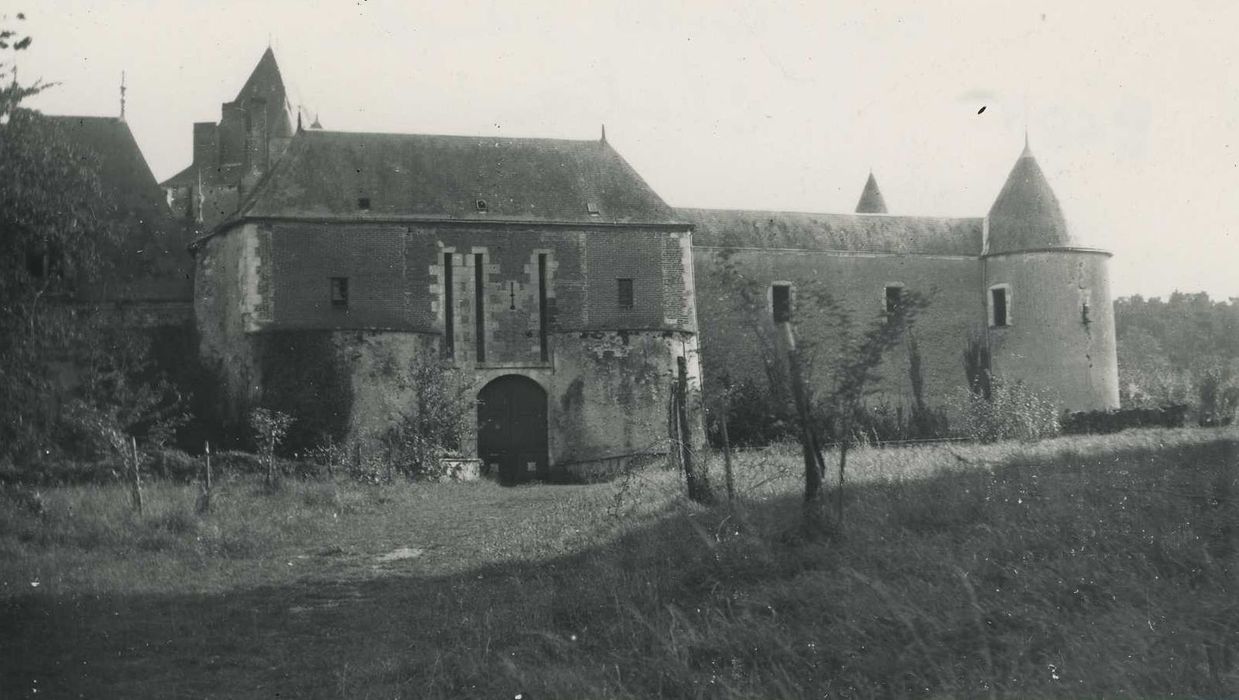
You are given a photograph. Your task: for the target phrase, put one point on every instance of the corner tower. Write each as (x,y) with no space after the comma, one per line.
(1050,319)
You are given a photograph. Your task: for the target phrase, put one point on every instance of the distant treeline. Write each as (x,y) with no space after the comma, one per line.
(1181,350)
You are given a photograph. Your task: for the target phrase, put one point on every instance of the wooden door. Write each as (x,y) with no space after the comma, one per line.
(512,429)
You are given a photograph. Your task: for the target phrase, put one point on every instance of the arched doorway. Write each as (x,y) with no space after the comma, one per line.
(512,429)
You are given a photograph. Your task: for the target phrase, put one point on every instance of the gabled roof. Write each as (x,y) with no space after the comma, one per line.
(923,235)
(1026,215)
(265,83)
(871,200)
(152,262)
(325,173)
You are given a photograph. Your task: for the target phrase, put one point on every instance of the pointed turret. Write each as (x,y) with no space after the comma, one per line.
(265,84)
(1026,215)
(871,200)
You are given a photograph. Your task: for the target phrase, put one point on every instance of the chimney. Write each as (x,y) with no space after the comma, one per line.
(206,145)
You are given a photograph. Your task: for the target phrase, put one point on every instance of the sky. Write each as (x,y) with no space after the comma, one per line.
(1132,108)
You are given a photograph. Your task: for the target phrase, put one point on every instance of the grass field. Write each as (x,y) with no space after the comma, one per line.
(1074,567)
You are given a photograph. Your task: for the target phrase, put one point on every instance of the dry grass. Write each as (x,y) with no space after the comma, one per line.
(1075,567)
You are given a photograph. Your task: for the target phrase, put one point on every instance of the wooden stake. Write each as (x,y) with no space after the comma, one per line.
(727,474)
(206,494)
(137,477)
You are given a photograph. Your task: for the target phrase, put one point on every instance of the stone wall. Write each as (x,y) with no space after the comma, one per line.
(730,339)
(1050,343)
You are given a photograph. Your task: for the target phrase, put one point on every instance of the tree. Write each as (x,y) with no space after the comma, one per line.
(435,427)
(269,428)
(63,370)
(823,378)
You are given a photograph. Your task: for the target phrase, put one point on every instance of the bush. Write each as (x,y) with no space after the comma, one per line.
(1100,422)
(1013,411)
(436,426)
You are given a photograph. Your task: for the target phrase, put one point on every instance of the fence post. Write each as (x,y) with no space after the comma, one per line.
(137,476)
(727,473)
(206,494)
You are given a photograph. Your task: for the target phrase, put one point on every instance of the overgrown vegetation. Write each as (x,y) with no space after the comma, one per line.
(1184,350)
(434,428)
(822,359)
(1073,567)
(73,384)
(1011,411)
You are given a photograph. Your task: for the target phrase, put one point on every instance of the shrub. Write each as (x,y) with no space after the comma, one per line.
(1013,411)
(1099,422)
(435,427)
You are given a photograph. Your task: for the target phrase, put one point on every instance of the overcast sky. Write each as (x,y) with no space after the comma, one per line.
(1132,107)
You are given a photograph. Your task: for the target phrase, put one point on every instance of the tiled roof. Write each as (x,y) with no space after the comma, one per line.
(324,174)
(152,262)
(874,233)
(1026,214)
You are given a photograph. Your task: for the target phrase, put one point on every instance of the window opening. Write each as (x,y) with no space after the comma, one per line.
(624,292)
(894,298)
(363,203)
(480,204)
(542,307)
(998,302)
(781,302)
(339,292)
(449,308)
(479,301)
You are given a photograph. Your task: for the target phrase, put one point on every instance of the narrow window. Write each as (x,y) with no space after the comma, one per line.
(894,298)
(542,308)
(479,302)
(624,292)
(999,311)
(1085,304)
(363,203)
(781,302)
(339,292)
(36,264)
(449,308)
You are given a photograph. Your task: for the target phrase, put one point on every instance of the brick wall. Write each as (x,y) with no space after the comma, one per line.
(396,280)
(372,257)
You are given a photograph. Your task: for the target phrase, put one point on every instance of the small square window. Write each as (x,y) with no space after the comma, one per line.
(894,298)
(480,205)
(363,203)
(999,313)
(339,292)
(781,302)
(624,290)
(592,208)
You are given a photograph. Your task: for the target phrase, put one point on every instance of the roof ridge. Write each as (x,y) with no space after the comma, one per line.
(320,133)
(831,213)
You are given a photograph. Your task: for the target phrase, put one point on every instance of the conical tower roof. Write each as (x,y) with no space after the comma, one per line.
(1026,215)
(265,83)
(871,200)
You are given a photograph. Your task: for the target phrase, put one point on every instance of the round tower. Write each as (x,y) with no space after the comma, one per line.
(1048,310)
